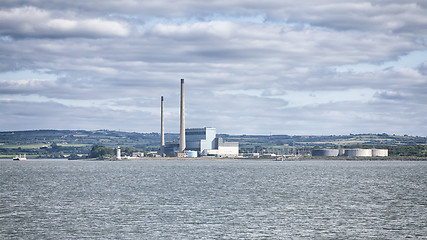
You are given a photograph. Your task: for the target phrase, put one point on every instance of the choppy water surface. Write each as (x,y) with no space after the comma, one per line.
(208,199)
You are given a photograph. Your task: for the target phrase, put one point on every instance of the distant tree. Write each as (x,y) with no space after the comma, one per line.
(101,152)
(54,145)
(75,157)
(127,151)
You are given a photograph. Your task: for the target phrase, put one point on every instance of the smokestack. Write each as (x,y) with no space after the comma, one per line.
(182,125)
(162,127)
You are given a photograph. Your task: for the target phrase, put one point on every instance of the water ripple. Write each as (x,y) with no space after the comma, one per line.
(210,199)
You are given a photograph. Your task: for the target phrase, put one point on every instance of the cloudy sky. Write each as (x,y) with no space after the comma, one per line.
(250,67)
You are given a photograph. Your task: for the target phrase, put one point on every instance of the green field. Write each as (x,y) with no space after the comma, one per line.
(24,146)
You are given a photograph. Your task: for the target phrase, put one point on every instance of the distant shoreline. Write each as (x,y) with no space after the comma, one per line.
(306,158)
(389,158)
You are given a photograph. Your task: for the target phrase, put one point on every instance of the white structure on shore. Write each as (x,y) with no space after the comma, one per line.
(223,149)
(357,152)
(379,152)
(205,142)
(119,154)
(200,139)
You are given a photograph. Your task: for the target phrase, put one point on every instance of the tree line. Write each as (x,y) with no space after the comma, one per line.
(103,152)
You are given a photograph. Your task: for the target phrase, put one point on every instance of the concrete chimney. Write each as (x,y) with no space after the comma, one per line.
(182,125)
(162,127)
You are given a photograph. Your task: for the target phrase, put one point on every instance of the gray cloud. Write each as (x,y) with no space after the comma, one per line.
(52,115)
(238,58)
(389,95)
(392,16)
(395,16)
(423,68)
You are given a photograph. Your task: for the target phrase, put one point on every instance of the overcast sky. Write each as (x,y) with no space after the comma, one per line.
(316,67)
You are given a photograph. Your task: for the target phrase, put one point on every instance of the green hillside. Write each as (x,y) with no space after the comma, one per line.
(63,143)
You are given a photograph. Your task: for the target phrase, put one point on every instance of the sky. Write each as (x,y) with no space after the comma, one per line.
(314,67)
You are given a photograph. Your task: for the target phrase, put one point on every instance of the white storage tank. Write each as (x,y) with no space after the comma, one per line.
(358,152)
(379,152)
(192,154)
(324,152)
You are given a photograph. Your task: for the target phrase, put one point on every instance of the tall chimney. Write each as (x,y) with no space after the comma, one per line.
(162,127)
(182,125)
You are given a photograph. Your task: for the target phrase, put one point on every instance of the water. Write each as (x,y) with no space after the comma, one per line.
(210,199)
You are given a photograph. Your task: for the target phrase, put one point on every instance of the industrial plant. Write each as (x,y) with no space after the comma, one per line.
(357,152)
(203,141)
(194,142)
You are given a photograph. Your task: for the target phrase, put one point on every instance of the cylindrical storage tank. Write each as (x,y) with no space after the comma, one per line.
(325,152)
(341,152)
(379,152)
(192,154)
(358,152)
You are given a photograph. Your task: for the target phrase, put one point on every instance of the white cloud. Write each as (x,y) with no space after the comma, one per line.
(35,22)
(273,92)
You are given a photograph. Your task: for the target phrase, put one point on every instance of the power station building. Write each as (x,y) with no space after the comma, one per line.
(200,139)
(223,149)
(193,141)
(205,143)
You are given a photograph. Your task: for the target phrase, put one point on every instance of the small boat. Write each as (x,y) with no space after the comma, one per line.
(20,158)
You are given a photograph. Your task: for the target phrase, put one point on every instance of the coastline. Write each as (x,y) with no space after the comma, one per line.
(306,158)
(302,158)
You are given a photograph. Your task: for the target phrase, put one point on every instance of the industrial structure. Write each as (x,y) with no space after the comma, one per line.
(200,139)
(118,154)
(194,141)
(182,121)
(379,152)
(357,152)
(205,143)
(162,127)
(223,149)
(325,152)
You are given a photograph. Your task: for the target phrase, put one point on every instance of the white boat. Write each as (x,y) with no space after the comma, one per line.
(20,158)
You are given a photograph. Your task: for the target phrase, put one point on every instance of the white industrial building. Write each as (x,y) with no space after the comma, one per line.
(205,142)
(200,139)
(223,149)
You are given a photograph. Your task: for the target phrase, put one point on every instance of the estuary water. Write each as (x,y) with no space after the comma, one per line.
(213,199)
